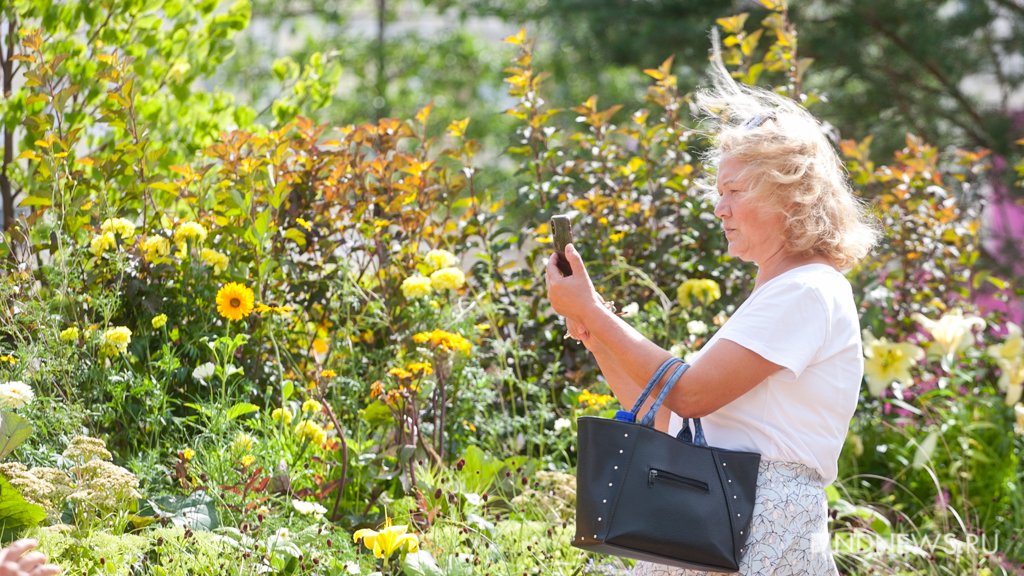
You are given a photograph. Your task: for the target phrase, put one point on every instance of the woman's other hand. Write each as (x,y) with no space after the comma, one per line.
(573,296)
(18,560)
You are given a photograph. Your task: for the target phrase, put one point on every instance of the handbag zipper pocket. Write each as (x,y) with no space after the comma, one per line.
(654,475)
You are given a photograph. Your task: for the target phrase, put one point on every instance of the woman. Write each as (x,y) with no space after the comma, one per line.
(782,375)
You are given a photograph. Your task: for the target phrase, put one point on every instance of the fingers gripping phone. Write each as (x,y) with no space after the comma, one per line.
(561,231)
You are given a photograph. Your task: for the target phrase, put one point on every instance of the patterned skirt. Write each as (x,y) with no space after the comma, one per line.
(789,530)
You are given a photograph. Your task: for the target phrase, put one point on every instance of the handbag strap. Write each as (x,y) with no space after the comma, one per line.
(652,383)
(649,417)
(696,437)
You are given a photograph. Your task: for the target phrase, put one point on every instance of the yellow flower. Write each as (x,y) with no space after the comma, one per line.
(309,430)
(422,368)
(9,359)
(446,341)
(282,414)
(447,279)
(704,292)
(115,341)
(1009,356)
(102,243)
(248,460)
(119,226)
(218,261)
(69,334)
(242,442)
(304,223)
(188,454)
(328,373)
(388,540)
(951,332)
(262,309)
(312,405)
(155,248)
(437,259)
(887,362)
(400,373)
(159,321)
(234,301)
(189,231)
(591,400)
(416,286)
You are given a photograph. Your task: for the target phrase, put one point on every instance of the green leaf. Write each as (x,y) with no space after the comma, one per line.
(16,513)
(421,564)
(196,511)
(13,431)
(926,449)
(241,409)
(298,236)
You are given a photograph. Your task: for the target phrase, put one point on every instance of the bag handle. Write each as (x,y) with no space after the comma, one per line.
(649,417)
(652,383)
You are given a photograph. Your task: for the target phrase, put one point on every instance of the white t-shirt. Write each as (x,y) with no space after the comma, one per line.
(804,320)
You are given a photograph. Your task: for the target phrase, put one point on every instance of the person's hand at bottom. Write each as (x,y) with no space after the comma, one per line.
(18,560)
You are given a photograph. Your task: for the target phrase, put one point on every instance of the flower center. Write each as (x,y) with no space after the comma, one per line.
(236,303)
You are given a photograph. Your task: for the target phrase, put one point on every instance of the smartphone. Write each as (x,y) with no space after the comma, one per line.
(561,232)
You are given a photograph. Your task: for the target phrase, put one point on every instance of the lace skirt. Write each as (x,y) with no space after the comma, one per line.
(789,530)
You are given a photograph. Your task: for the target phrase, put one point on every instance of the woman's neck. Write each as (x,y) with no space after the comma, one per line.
(781,262)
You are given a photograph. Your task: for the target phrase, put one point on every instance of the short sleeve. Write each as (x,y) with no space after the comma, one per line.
(784,322)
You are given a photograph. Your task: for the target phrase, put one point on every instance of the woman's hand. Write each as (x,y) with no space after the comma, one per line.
(571,296)
(17,560)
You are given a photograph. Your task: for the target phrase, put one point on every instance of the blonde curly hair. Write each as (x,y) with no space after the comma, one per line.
(791,163)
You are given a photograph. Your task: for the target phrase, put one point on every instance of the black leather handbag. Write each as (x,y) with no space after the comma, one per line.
(644,494)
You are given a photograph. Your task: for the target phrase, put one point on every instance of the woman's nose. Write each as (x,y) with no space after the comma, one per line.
(721,208)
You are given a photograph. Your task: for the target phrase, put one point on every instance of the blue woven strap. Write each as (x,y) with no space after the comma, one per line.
(649,417)
(689,437)
(652,383)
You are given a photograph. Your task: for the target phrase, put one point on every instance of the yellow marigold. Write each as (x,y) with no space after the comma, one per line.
(312,405)
(102,243)
(234,301)
(591,400)
(120,226)
(188,454)
(263,309)
(328,373)
(309,430)
(437,259)
(115,341)
(282,414)
(69,334)
(216,260)
(416,286)
(446,341)
(376,389)
(447,279)
(422,368)
(159,321)
(400,373)
(189,231)
(702,292)
(155,248)
(248,460)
